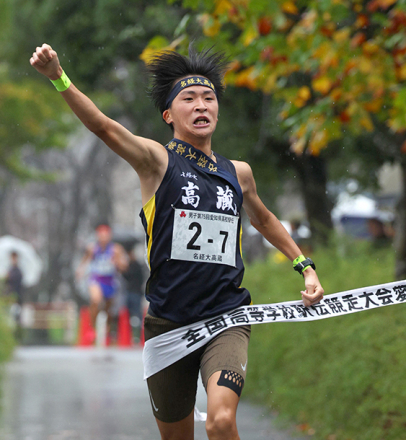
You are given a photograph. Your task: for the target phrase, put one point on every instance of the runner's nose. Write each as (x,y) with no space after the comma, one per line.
(200,105)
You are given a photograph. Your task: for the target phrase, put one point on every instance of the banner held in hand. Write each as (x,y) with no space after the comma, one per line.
(166,349)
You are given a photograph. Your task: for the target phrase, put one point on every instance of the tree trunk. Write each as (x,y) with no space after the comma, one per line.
(400,236)
(313,181)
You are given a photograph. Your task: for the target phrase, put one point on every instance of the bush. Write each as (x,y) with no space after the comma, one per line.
(341,378)
(6,334)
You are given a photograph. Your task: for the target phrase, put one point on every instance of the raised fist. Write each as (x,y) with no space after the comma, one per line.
(46,61)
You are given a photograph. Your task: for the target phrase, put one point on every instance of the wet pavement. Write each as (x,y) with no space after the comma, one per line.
(92,394)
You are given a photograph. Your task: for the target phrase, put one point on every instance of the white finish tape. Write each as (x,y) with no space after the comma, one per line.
(164,350)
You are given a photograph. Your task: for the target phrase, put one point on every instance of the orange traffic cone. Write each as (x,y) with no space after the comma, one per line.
(124,329)
(87,334)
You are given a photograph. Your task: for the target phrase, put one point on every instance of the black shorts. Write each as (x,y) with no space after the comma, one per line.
(173,389)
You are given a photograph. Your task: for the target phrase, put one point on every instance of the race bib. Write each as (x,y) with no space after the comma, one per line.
(103,266)
(204,237)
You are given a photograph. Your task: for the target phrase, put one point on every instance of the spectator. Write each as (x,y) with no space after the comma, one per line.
(376,229)
(14,279)
(134,280)
(13,284)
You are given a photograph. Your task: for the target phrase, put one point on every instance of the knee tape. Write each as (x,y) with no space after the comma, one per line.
(231,380)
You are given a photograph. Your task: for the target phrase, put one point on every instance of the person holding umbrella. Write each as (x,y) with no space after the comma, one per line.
(14,279)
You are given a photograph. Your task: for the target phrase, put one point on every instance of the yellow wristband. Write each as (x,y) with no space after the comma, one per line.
(299,259)
(61,84)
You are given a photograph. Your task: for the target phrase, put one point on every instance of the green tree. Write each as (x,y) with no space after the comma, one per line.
(33,119)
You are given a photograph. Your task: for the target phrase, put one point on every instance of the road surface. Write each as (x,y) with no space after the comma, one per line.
(93,394)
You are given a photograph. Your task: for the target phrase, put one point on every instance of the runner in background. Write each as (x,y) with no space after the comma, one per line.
(106,259)
(192,199)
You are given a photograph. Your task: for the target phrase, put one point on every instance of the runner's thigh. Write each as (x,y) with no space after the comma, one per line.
(173,389)
(226,352)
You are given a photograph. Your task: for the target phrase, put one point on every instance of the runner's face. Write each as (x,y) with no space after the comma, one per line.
(103,236)
(193,112)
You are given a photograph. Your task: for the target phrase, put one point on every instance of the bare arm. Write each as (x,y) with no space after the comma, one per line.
(147,157)
(87,257)
(271,228)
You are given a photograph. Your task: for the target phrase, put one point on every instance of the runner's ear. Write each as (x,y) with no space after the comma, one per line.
(166,115)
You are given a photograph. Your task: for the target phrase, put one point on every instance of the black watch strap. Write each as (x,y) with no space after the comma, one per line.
(303,264)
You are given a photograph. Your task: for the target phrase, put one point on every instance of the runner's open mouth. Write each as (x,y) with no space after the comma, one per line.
(201,120)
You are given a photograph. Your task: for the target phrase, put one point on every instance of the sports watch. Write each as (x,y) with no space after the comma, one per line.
(302,265)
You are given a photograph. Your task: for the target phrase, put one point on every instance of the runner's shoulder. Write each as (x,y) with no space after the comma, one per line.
(153,146)
(244,173)
(241,167)
(153,159)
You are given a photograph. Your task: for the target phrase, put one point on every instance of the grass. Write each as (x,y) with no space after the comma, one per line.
(341,378)
(6,336)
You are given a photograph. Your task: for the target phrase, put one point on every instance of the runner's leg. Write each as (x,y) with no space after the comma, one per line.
(108,305)
(96,296)
(222,405)
(183,430)
(223,369)
(173,389)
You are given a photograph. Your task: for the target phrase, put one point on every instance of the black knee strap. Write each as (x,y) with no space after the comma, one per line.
(231,380)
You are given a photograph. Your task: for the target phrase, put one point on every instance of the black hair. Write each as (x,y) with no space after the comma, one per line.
(167,67)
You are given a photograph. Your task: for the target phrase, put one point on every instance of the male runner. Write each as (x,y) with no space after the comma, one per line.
(191,212)
(106,259)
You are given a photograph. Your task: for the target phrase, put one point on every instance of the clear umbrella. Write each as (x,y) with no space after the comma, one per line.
(29,261)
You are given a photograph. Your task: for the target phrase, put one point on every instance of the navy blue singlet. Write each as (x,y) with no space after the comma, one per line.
(193,229)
